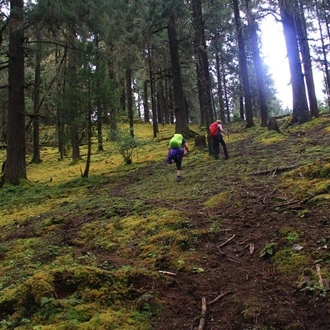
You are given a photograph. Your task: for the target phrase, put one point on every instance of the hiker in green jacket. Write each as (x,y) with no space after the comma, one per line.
(176,148)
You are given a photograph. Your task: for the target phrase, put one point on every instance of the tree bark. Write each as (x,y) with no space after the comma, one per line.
(99,105)
(145,102)
(324,54)
(243,67)
(15,168)
(219,87)
(300,22)
(203,74)
(153,103)
(300,112)
(181,123)
(129,100)
(161,102)
(258,66)
(36,103)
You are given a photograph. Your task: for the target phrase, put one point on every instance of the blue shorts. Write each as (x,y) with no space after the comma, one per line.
(175,155)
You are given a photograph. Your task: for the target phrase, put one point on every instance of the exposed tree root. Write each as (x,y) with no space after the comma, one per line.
(275,170)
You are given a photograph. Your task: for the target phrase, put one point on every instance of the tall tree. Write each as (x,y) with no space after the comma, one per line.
(129,95)
(300,111)
(203,74)
(324,52)
(302,34)
(254,40)
(243,66)
(36,101)
(15,169)
(181,123)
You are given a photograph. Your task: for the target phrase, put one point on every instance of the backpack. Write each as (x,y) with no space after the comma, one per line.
(214,129)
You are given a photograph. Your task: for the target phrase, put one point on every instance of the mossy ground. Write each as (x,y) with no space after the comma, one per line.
(130,248)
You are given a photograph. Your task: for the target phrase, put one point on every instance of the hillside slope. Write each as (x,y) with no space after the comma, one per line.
(130,248)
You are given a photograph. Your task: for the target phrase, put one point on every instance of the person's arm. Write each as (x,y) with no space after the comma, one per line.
(185,146)
(222,130)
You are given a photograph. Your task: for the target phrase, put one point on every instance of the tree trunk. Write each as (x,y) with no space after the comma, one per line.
(99,105)
(129,94)
(36,104)
(15,169)
(75,142)
(300,106)
(224,84)
(203,74)
(145,102)
(243,67)
(153,105)
(109,104)
(181,123)
(300,22)
(167,102)
(72,103)
(258,66)
(89,135)
(324,55)
(219,80)
(161,102)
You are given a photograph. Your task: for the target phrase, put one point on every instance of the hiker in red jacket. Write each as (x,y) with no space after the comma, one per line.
(218,139)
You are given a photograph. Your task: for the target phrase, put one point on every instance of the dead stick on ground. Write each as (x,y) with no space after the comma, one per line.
(202,320)
(166,272)
(318,270)
(218,298)
(289,202)
(228,240)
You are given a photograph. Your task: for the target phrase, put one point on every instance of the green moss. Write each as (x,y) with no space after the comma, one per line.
(290,262)
(251,309)
(217,200)
(271,137)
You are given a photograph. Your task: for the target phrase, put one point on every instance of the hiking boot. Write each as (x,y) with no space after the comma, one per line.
(179,178)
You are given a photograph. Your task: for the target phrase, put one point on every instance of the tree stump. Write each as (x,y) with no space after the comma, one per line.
(200,142)
(272,125)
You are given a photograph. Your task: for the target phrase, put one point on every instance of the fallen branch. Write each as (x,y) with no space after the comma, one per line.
(218,298)
(234,261)
(318,270)
(202,320)
(228,240)
(267,196)
(287,203)
(275,170)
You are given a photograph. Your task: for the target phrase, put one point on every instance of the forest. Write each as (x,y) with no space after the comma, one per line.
(95,232)
(77,66)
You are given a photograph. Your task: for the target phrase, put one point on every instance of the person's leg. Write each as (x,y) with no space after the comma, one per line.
(222,141)
(178,162)
(216,147)
(178,169)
